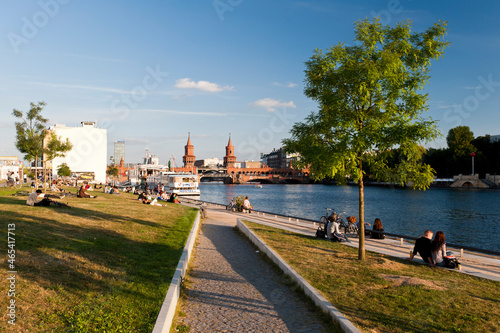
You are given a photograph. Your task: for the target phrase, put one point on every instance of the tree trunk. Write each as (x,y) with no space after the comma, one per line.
(361,252)
(36,173)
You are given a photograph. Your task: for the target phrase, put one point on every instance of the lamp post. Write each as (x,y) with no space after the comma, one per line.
(473,154)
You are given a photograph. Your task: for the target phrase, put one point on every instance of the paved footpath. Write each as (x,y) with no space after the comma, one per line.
(232,289)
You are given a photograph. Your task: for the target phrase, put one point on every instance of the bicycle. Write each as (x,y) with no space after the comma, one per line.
(232,205)
(323,219)
(15,184)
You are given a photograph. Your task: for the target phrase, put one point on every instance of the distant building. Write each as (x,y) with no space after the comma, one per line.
(208,162)
(89,153)
(151,159)
(119,152)
(494,138)
(10,164)
(278,159)
(251,164)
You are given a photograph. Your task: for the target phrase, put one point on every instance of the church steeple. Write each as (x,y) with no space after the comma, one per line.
(188,157)
(229,159)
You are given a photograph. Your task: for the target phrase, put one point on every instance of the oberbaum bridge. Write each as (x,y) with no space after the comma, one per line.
(253,172)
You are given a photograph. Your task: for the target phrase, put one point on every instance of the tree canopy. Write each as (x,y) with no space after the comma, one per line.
(459,140)
(30,131)
(370,102)
(63,170)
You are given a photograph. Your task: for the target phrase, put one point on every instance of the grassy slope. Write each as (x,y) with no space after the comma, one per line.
(103,265)
(368,293)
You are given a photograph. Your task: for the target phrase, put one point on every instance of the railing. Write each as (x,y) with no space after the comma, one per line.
(397,236)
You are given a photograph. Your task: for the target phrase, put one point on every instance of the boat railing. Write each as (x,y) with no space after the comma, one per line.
(399,237)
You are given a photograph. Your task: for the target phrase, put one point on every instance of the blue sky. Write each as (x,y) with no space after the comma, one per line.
(152,71)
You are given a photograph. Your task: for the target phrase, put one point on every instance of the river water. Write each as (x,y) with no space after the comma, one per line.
(467,217)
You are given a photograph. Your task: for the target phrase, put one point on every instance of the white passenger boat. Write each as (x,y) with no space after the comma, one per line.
(180,183)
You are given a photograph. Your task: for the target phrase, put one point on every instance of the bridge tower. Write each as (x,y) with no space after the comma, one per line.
(188,157)
(229,159)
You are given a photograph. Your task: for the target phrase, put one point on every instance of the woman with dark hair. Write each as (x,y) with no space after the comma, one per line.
(377,226)
(438,248)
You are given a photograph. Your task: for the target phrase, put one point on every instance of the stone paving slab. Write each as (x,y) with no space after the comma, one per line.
(231,288)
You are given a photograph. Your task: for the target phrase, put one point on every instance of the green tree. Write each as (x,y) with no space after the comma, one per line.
(63,170)
(459,140)
(55,147)
(30,132)
(112,170)
(369,103)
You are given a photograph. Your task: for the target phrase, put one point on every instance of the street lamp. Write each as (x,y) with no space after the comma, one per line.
(473,154)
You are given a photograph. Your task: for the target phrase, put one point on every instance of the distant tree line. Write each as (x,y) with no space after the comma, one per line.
(457,159)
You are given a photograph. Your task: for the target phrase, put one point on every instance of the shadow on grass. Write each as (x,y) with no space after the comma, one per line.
(80,212)
(84,259)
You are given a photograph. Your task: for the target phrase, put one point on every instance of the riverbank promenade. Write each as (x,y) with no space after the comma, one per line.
(225,293)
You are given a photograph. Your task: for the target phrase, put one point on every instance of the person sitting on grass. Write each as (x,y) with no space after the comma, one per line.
(163,196)
(33,200)
(83,194)
(56,189)
(173,198)
(423,247)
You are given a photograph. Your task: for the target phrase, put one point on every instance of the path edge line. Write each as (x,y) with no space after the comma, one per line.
(166,316)
(309,290)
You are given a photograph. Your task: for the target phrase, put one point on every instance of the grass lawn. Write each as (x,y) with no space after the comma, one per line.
(385,294)
(103,265)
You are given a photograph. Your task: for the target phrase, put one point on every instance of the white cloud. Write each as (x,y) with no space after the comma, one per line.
(288,84)
(187,83)
(271,104)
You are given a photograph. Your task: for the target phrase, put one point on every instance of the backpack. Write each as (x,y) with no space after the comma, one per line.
(320,233)
(451,262)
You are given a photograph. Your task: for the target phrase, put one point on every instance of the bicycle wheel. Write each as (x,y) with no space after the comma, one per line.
(322,221)
(18,185)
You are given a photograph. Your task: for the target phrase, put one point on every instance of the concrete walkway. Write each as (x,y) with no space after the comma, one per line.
(231,288)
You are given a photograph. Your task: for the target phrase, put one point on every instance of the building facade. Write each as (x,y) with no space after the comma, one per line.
(89,152)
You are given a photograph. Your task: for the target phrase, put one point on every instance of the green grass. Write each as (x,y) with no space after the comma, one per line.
(103,265)
(385,294)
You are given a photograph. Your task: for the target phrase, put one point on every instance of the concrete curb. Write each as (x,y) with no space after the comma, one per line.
(167,311)
(312,293)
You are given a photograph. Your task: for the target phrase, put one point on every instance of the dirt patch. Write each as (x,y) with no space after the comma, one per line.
(410,281)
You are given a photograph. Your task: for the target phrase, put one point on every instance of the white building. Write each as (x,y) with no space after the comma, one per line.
(89,153)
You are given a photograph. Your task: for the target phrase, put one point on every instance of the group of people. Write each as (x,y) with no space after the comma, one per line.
(162,196)
(432,250)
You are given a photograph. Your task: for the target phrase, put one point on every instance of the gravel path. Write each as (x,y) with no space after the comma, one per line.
(232,289)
